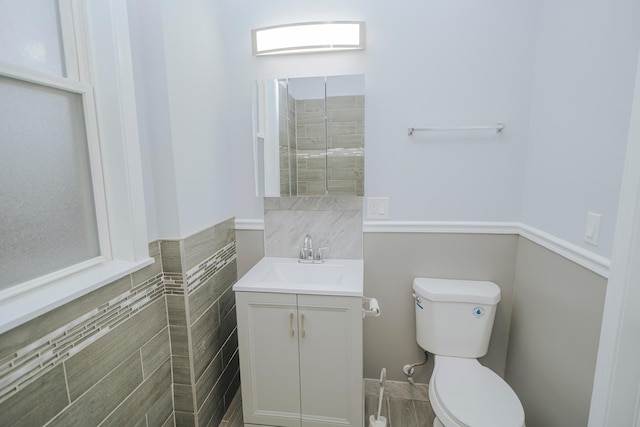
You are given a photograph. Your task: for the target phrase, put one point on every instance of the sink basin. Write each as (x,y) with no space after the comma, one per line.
(287,275)
(313,274)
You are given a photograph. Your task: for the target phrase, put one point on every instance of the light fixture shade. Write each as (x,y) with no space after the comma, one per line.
(308,37)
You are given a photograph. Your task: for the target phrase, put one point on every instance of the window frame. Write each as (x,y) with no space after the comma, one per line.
(105,83)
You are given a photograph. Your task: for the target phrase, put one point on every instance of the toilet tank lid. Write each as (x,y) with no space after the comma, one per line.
(449,290)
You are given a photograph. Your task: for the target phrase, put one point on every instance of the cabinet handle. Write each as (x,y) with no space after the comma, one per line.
(302,331)
(290,324)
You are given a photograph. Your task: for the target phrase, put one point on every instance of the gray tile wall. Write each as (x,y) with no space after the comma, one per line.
(202,323)
(109,357)
(343,169)
(102,358)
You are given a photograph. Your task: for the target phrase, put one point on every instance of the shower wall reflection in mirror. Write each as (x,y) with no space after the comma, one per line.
(309,136)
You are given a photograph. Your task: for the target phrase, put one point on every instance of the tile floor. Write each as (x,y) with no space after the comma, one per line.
(399,412)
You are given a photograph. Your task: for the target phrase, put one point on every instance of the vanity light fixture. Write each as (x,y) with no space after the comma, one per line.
(308,37)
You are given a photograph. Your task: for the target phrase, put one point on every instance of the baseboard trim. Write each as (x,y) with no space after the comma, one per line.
(583,257)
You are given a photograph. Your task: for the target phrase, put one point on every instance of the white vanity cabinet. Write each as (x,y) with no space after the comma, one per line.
(300,359)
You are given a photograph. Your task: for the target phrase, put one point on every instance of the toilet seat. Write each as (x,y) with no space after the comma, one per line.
(473,395)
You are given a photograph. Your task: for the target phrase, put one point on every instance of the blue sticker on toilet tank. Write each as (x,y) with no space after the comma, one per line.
(478,312)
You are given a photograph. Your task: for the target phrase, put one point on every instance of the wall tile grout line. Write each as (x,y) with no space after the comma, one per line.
(84,334)
(132,392)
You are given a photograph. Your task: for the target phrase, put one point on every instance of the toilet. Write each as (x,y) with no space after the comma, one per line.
(454,319)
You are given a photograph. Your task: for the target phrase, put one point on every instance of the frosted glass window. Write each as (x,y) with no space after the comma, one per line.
(47,211)
(30,35)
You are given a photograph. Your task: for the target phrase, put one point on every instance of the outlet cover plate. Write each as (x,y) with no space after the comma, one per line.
(377,207)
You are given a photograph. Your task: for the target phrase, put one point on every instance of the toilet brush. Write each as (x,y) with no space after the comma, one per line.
(378,420)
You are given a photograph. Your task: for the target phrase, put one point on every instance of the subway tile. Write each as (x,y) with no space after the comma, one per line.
(185,419)
(312,118)
(202,245)
(38,402)
(313,143)
(212,411)
(162,409)
(169,422)
(171,256)
(181,367)
(17,338)
(233,388)
(346,187)
(151,270)
(228,299)
(176,310)
(205,295)
(206,340)
(208,379)
(94,405)
(341,102)
(183,397)
(342,128)
(226,380)
(155,352)
(85,368)
(142,422)
(311,174)
(346,115)
(179,340)
(347,141)
(312,105)
(230,347)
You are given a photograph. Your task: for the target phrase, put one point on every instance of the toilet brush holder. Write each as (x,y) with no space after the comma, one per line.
(380,422)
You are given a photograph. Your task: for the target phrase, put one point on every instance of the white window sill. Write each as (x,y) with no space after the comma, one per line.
(22,307)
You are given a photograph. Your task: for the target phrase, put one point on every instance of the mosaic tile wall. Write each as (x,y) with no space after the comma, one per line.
(106,358)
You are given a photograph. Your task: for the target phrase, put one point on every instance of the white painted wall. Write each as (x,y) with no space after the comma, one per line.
(426,63)
(181,82)
(586,53)
(559,74)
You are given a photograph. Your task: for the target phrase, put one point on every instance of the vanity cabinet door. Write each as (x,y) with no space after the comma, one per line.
(330,360)
(268,346)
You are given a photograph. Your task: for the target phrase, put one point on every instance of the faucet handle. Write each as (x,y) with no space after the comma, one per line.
(318,254)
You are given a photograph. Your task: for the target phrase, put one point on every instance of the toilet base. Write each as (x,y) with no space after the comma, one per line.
(437,423)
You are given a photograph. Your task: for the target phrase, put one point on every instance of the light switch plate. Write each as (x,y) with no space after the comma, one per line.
(592,228)
(377,207)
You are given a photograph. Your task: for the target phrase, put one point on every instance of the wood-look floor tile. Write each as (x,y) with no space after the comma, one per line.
(424,413)
(402,413)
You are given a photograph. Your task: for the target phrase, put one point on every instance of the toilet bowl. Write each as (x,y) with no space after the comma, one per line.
(454,319)
(465,393)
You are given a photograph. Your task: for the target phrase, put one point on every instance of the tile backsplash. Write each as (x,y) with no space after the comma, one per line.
(332,222)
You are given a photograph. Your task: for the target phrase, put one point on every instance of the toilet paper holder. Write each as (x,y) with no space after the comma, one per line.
(373,308)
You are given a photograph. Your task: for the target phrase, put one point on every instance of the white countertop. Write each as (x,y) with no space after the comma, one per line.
(340,277)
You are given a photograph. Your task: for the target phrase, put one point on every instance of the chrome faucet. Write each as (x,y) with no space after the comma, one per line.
(308,254)
(307,248)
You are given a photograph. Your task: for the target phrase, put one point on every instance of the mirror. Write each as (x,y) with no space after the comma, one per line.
(309,136)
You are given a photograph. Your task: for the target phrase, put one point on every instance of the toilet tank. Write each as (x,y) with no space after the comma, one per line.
(455,317)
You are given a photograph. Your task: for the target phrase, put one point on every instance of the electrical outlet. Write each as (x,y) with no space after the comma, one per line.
(377,207)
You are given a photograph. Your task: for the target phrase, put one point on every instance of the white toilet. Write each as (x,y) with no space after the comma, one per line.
(454,319)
